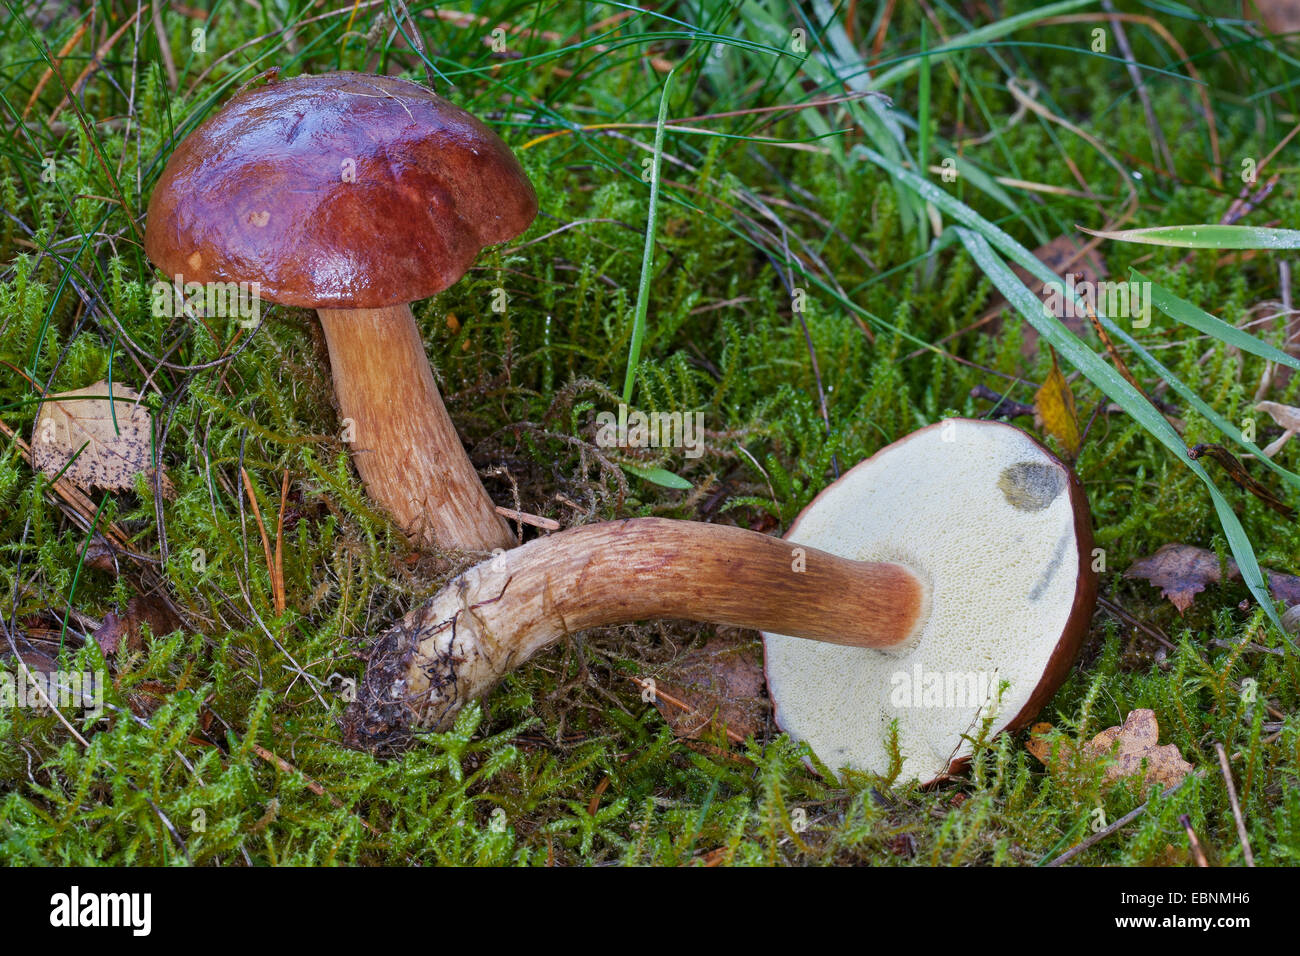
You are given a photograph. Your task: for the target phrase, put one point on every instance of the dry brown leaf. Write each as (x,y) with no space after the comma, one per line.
(1182,571)
(1284,587)
(101,555)
(718,686)
(36,661)
(1070,764)
(1061,255)
(113,436)
(1042,748)
(1054,411)
(1287,416)
(1280,16)
(1137,740)
(140,610)
(39,668)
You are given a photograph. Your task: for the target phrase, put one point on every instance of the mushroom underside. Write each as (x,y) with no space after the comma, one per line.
(999,530)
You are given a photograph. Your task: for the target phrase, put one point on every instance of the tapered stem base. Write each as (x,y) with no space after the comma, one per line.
(499,613)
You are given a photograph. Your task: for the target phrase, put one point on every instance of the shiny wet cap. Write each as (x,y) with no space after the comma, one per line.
(336,190)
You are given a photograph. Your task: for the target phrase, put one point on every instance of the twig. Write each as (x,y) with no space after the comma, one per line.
(690,711)
(1240,477)
(257,513)
(1130,62)
(96,62)
(414,38)
(312,785)
(1236,807)
(277,572)
(1003,407)
(1197,852)
(1119,824)
(537,521)
(49,70)
(45,698)
(164,46)
(1151,23)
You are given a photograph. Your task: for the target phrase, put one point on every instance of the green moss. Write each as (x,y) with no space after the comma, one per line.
(564,762)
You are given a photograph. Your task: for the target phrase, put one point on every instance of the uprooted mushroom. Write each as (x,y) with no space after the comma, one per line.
(964,548)
(355,195)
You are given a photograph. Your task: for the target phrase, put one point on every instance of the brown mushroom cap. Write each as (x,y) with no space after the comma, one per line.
(338,190)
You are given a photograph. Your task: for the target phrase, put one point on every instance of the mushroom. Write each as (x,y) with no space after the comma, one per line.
(1000,532)
(965,546)
(355,196)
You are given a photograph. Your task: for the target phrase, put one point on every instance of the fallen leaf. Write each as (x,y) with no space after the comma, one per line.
(40,668)
(1061,255)
(716,687)
(1040,747)
(1137,740)
(36,661)
(101,555)
(1280,16)
(1240,476)
(1288,416)
(141,610)
(101,437)
(1182,571)
(1054,410)
(1070,764)
(1284,587)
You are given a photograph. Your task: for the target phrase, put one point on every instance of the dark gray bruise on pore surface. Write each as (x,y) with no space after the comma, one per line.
(1049,572)
(1032,486)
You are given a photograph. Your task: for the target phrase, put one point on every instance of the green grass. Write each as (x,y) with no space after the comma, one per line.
(565,763)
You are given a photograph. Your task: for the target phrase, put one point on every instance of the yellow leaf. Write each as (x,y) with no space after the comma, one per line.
(1039,745)
(1054,411)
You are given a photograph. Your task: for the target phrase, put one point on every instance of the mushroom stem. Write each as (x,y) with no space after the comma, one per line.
(405,446)
(499,613)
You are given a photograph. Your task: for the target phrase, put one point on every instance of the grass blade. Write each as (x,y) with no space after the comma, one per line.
(658,476)
(976,38)
(648,256)
(1206,237)
(1118,389)
(1197,318)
